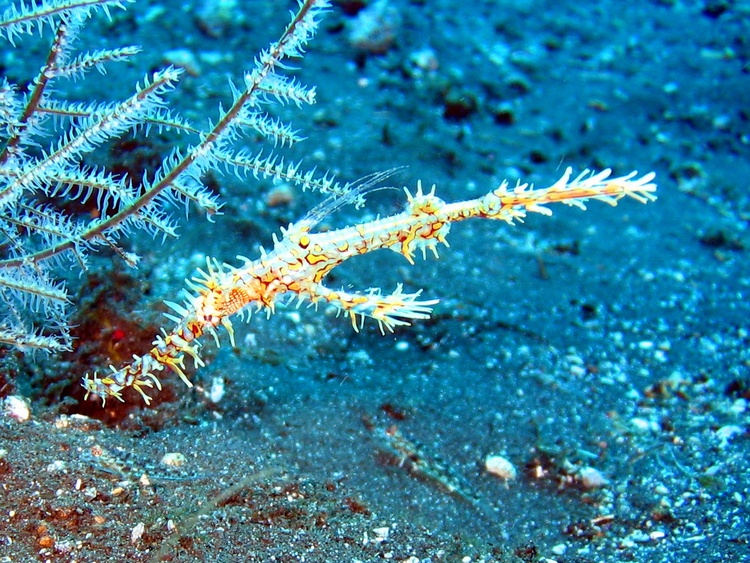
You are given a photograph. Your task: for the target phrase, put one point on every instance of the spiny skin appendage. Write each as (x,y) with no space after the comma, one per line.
(300,260)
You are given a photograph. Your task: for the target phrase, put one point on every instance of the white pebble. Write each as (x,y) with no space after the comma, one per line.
(137,533)
(500,467)
(577,371)
(216,392)
(17,408)
(56,466)
(174,459)
(661,489)
(592,478)
(739,406)
(380,534)
(642,425)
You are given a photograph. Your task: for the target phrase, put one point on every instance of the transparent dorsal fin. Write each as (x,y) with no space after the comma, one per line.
(353,195)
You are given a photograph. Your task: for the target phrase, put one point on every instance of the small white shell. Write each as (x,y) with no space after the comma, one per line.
(500,467)
(592,478)
(16,407)
(137,532)
(174,459)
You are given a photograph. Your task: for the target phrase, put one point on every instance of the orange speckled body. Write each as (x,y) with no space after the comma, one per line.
(301,259)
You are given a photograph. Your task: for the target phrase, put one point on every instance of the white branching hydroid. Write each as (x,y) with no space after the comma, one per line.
(44,141)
